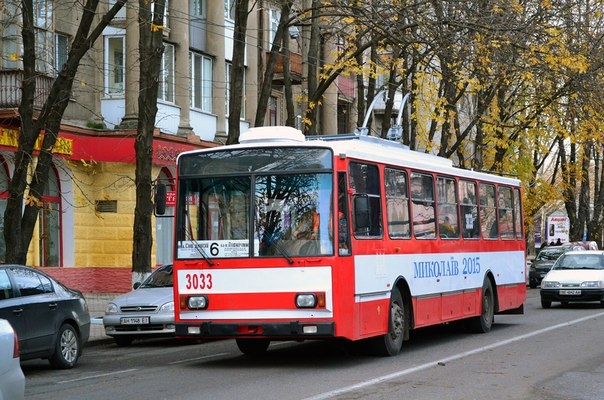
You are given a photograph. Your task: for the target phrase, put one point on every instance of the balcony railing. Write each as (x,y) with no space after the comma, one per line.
(295,68)
(10,89)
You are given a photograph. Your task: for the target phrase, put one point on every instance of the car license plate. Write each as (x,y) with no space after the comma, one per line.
(134,320)
(570,292)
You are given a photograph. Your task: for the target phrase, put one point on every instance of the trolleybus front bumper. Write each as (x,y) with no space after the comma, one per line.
(293,329)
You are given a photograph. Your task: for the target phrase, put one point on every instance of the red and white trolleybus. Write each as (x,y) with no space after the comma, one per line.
(283,237)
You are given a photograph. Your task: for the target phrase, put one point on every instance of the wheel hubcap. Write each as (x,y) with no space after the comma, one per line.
(398,320)
(69,346)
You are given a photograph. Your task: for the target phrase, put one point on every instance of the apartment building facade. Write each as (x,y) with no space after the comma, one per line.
(87,218)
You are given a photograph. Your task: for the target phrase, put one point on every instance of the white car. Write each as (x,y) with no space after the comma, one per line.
(12,381)
(577,276)
(145,312)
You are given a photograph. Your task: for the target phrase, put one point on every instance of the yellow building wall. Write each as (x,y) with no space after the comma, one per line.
(104,239)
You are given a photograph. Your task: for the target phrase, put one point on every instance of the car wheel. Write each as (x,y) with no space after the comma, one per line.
(546,303)
(67,348)
(484,322)
(532,284)
(253,347)
(391,343)
(123,341)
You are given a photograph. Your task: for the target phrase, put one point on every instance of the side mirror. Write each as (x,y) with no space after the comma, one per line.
(361,213)
(160,199)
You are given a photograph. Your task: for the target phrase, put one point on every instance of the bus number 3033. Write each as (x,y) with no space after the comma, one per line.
(198,281)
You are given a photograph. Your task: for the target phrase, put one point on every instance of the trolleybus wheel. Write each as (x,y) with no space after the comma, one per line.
(484,322)
(253,347)
(391,343)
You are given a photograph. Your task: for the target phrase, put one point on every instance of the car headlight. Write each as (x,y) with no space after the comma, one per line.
(167,307)
(591,284)
(550,284)
(111,308)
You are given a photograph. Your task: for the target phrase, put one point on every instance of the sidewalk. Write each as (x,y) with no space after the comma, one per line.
(97,303)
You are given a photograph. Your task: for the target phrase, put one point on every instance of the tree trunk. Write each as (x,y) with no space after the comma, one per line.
(267,81)
(151,49)
(237,70)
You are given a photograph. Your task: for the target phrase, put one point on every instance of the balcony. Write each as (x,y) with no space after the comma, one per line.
(10,89)
(295,67)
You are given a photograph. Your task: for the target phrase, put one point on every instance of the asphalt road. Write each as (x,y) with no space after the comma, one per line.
(544,354)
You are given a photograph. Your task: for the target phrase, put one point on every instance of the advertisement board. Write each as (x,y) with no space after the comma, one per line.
(557,227)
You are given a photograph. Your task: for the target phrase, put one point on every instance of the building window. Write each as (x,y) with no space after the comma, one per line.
(44,48)
(229,9)
(228,91)
(50,223)
(61,51)
(201,82)
(275,16)
(166,82)
(44,36)
(121,14)
(273,111)
(166,12)
(197,9)
(114,64)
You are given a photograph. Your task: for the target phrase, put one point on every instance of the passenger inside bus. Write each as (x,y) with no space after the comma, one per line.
(307,226)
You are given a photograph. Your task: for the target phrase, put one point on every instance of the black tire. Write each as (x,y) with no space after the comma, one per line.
(68,348)
(123,341)
(532,285)
(391,343)
(546,303)
(253,347)
(484,322)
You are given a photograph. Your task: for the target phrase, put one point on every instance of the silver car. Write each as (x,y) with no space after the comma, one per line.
(145,312)
(12,381)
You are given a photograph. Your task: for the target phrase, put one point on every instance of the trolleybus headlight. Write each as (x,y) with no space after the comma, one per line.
(197,302)
(306,300)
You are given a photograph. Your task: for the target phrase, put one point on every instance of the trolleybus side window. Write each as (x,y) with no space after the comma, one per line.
(365,183)
(448,226)
(517,214)
(488,215)
(469,210)
(343,225)
(397,203)
(422,198)
(506,222)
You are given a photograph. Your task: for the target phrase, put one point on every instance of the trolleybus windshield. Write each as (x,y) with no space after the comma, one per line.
(255,203)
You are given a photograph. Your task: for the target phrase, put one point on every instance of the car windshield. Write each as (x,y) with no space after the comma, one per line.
(581,261)
(162,277)
(549,255)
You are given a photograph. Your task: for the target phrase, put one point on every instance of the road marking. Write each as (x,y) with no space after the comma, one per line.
(395,375)
(197,358)
(99,375)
